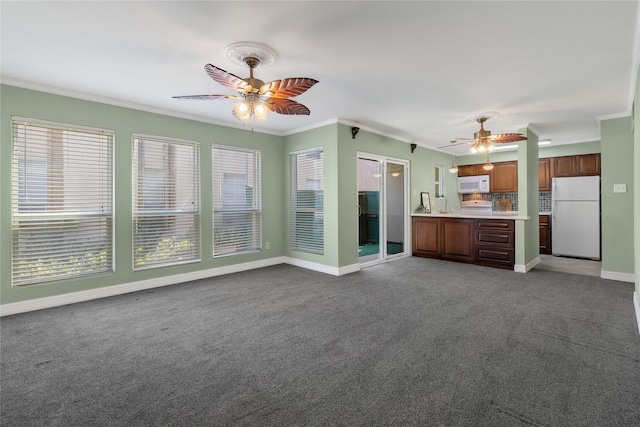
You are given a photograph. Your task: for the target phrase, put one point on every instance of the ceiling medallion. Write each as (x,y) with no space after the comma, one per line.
(238,52)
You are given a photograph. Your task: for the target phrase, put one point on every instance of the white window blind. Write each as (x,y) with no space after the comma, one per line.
(237,206)
(166,203)
(61,201)
(307,201)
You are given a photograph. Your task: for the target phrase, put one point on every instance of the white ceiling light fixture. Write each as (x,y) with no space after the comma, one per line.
(453,168)
(487,166)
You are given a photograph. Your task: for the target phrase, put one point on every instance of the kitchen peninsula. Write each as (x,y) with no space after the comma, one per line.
(482,239)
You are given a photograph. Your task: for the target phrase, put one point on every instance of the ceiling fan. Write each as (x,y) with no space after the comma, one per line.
(483,142)
(258,97)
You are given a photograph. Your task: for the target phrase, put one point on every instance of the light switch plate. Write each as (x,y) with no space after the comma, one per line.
(619,188)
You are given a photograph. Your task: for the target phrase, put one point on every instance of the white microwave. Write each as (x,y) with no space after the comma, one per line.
(473,184)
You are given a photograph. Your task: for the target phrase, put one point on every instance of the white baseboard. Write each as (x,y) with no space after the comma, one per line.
(334,271)
(519,268)
(621,277)
(109,291)
(636,304)
(125,288)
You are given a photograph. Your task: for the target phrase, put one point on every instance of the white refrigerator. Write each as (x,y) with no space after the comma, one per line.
(575,217)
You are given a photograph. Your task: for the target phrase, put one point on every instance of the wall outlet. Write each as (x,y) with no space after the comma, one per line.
(619,188)
(267,245)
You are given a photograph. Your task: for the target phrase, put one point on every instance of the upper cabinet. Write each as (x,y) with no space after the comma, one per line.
(472,170)
(588,164)
(544,174)
(563,166)
(580,165)
(504,177)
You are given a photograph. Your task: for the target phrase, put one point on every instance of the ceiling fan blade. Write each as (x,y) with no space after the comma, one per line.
(286,106)
(507,137)
(456,142)
(206,97)
(287,88)
(226,79)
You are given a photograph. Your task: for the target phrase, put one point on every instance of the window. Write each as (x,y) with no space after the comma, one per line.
(166,203)
(439,180)
(307,201)
(61,204)
(237,211)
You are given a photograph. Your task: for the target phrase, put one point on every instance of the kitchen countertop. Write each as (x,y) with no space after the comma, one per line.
(494,215)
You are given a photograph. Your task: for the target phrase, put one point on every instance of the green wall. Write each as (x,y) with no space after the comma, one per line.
(636,193)
(527,232)
(125,121)
(324,137)
(617,208)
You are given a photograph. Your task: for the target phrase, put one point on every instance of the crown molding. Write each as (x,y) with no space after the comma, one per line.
(613,116)
(141,107)
(376,131)
(124,104)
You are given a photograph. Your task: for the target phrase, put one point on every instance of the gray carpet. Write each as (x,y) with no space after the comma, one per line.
(410,342)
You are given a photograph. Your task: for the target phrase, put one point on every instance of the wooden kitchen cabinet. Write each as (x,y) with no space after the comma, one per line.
(545,234)
(427,237)
(457,239)
(488,242)
(580,165)
(495,242)
(588,164)
(544,174)
(472,170)
(563,166)
(504,177)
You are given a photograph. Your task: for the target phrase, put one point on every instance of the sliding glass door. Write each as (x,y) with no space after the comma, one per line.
(382,208)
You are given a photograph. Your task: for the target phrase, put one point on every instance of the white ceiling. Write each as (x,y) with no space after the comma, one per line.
(413,70)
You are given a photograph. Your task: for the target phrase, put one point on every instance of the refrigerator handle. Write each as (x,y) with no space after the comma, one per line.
(553,200)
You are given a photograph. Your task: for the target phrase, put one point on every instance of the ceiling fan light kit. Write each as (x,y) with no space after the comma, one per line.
(257,97)
(483,142)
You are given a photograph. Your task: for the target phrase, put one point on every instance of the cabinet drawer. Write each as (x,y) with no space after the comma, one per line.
(495,224)
(495,238)
(495,256)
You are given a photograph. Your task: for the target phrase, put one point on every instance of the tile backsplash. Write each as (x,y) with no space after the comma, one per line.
(544,199)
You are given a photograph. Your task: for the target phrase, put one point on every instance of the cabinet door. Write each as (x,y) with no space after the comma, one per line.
(426,237)
(472,170)
(588,164)
(545,234)
(504,177)
(466,170)
(458,239)
(544,175)
(563,166)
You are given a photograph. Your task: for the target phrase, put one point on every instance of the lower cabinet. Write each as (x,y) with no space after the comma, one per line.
(495,242)
(426,237)
(489,242)
(545,234)
(457,239)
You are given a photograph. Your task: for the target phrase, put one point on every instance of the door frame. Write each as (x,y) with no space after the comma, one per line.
(384,257)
